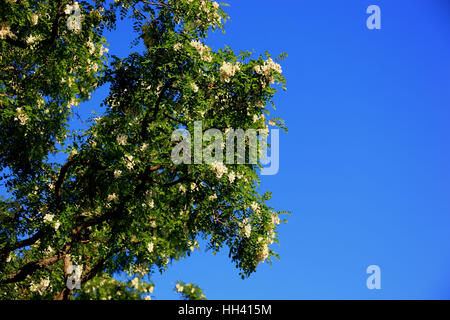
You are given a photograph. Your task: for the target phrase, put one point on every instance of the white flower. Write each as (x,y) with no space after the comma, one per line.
(266,70)
(203,50)
(255,207)
(68,9)
(263,254)
(112,197)
(34,19)
(179,287)
(117,173)
(129,162)
(57,225)
(246,228)
(231,177)
(144,147)
(73,153)
(135,283)
(228,70)
(147,298)
(48,217)
(177,46)
(122,139)
(194,87)
(192,245)
(21,116)
(41,286)
(213,197)
(74,23)
(275,218)
(219,168)
(31,39)
(182,189)
(103,50)
(5,30)
(150,247)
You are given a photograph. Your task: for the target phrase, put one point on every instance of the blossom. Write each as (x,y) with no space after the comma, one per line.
(202,49)
(194,87)
(129,162)
(112,197)
(177,46)
(21,116)
(48,217)
(246,228)
(34,19)
(275,218)
(263,254)
(231,177)
(213,197)
(179,287)
(135,283)
(255,207)
(228,70)
(117,173)
(122,139)
(192,245)
(182,189)
(40,288)
(31,39)
(266,70)
(150,247)
(74,21)
(4,30)
(144,147)
(103,50)
(219,168)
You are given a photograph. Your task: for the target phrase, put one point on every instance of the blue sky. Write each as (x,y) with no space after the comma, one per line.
(365,166)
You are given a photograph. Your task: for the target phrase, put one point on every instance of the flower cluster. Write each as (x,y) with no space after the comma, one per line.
(263,254)
(219,168)
(189,291)
(177,46)
(21,116)
(74,21)
(266,70)
(203,50)
(228,70)
(40,287)
(5,30)
(246,228)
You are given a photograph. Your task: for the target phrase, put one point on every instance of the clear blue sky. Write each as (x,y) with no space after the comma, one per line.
(365,166)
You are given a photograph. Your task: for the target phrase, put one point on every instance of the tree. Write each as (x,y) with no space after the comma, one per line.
(81,206)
